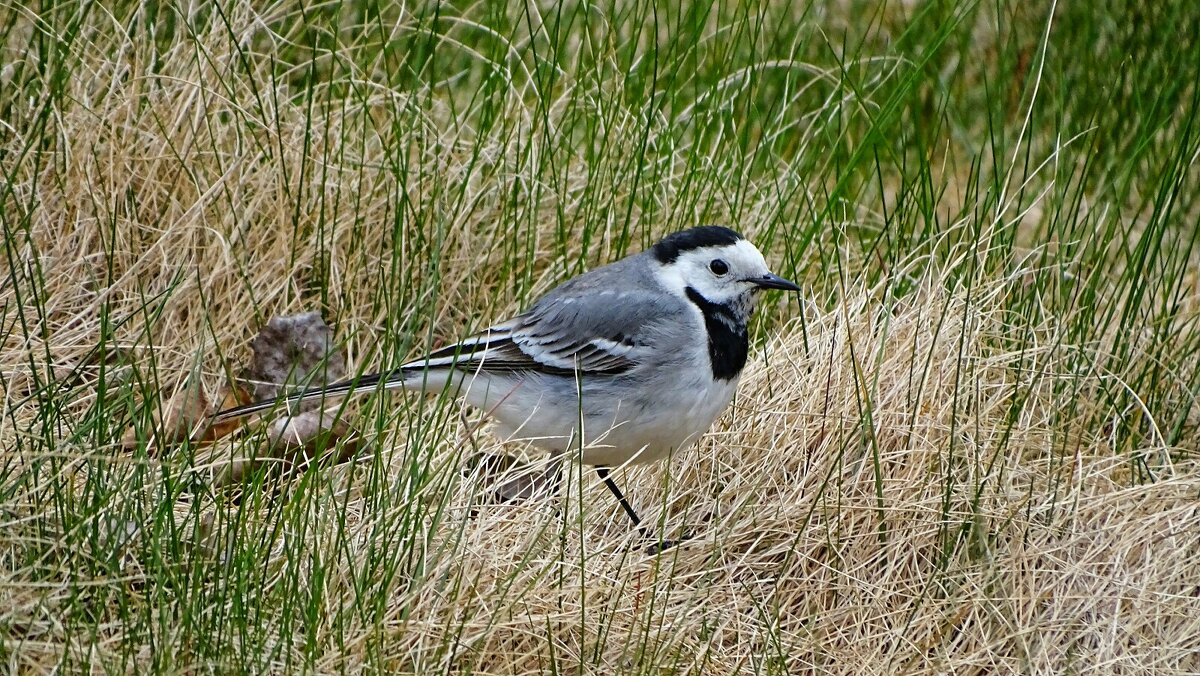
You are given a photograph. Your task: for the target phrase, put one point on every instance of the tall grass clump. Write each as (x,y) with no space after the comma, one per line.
(971,447)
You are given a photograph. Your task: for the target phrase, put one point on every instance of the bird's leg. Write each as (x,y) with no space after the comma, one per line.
(655,546)
(602,472)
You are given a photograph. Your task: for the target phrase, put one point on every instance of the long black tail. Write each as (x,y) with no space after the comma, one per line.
(345,388)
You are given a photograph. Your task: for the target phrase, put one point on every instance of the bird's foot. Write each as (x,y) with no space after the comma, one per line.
(657,547)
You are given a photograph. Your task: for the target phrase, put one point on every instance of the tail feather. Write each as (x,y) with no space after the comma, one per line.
(468,355)
(345,388)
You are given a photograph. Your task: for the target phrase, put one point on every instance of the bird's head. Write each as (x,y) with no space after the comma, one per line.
(718,265)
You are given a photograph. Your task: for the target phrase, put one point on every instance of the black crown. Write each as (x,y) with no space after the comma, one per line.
(670,247)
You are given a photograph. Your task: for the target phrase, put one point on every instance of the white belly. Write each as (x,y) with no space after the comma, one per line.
(621,424)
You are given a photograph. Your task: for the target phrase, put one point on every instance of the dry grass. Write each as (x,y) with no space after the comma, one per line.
(921,473)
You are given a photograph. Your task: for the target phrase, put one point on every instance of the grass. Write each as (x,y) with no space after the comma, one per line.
(972,447)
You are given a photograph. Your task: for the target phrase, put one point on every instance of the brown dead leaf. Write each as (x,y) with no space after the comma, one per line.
(289,352)
(294,351)
(302,439)
(186,415)
(230,397)
(295,442)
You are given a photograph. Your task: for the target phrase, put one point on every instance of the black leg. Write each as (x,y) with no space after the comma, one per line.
(655,546)
(602,472)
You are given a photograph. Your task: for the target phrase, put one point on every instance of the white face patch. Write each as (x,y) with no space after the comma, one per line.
(720,274)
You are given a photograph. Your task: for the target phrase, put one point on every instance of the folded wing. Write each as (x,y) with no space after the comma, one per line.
(605,334)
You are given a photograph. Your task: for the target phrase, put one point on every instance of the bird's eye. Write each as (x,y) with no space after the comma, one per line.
(719,267)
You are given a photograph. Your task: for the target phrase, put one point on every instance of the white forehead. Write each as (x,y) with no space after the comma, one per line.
(741,256)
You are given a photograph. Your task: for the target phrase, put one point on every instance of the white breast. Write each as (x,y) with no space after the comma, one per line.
(641,427)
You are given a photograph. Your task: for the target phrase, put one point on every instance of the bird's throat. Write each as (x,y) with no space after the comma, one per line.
(728,341)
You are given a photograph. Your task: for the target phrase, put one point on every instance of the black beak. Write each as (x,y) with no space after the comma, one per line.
(770,281)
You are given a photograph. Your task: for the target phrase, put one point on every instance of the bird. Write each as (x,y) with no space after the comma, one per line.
(629,362)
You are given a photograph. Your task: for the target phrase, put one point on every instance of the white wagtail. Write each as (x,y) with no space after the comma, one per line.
(628,362)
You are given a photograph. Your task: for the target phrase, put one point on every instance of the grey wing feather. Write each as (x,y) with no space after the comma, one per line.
(584,325)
